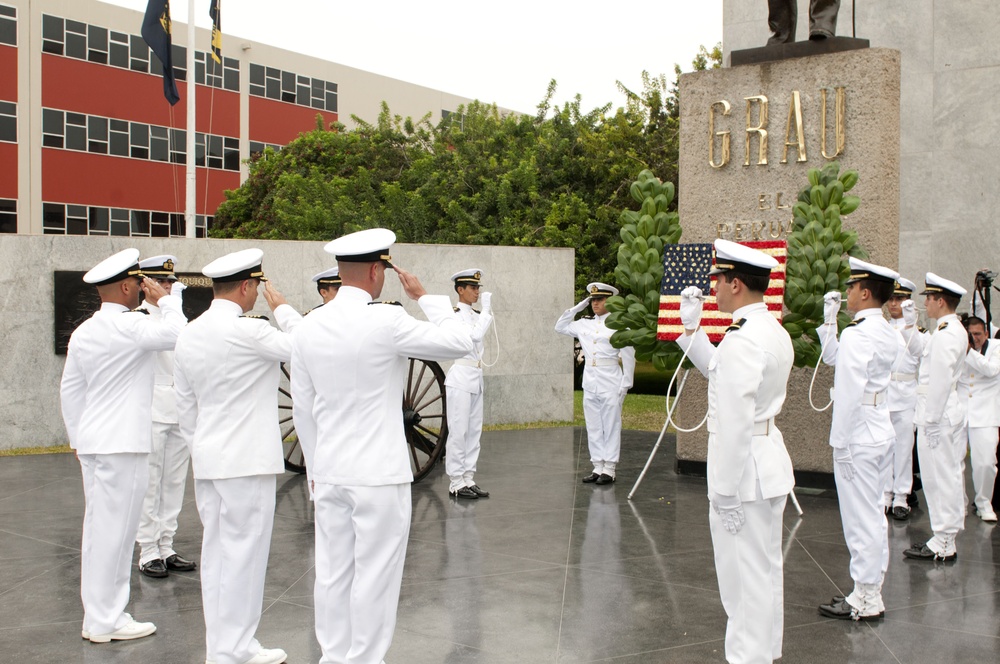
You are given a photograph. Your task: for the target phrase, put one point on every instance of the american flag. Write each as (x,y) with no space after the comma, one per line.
(688,265)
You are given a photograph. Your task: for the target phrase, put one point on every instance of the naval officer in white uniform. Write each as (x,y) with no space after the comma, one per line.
(464,387)
(605,381)
(227,368)
(327,283)
(106,395)
(349,364)
(940,419)
(169,456)
(749,470)
(979,387)
(903,396)
(861,432)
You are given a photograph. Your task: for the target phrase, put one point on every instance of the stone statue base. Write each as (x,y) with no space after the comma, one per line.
(801,49)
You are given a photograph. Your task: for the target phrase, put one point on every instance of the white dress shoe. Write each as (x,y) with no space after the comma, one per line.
(130,630)
(268,656)
(989,517)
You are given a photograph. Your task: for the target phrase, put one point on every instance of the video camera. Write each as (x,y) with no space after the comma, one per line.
(984,278)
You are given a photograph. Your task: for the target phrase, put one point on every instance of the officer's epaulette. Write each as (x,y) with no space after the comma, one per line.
(255,316)
(456,309)
(853,323)
(923,330)
(942,326)
(737,325)
(588,317)
(398,304)
(313,309)
(138,311)
(476,311)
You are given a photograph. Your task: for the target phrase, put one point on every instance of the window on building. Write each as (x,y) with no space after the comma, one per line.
(8,121)
(139,54)
(52,34)
(76,131)
(97,134)
(100,221)
(292,88)
(118,135)
(118,50)
(76,39)
(140,222)
(159,224)
(178,146)
(76,220)
(8,214)
(97,44)
(139,139)
(8,28)
(54,219)
(69,219)
(120,224)
(159,143)
(53,129)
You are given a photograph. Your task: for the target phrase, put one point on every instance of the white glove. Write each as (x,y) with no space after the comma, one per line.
(845,462)
(582,305)
(622,391)
(831,307)
(486,300)
(909,313)
(177,287)
(933,434)
(691,303)
(730,510)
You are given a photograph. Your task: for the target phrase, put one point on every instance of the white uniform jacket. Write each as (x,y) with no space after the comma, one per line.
(464,376)
(867,351)
(601,373)
(226,372)
(747,379)
(164,397)
(940,369)
(349,369)
(107,383)
(979,385)
(903,383)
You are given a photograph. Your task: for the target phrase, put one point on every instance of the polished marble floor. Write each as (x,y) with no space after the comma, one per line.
(546,570)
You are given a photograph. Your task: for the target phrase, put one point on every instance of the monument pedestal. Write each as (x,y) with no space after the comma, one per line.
(748,136)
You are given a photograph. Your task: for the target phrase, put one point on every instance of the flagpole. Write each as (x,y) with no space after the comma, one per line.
(191,179)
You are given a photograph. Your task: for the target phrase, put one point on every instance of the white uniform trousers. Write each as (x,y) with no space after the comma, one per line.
(361,534)
(901,478)
(983,454)
(751,583)
(113,487)
(862,512)
(168,468)
(237,515)
(465,429)
(603,414)
(944,486)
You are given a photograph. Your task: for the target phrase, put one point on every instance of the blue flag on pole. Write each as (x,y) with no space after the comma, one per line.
(215,11)
(156,33)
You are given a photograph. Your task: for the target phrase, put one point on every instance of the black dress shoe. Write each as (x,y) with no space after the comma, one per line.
(154,568)
(479,492)
(464,492)
(605,479)
(900,513)
(921,551)
(912,500)
(176,563)
(593,477)
(843,611)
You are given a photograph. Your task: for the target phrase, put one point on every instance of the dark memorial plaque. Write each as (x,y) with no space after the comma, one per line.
(76,301)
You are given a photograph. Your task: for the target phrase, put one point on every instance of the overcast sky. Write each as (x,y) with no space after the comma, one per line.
(504,52)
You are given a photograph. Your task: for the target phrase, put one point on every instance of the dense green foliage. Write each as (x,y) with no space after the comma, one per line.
(558,179)
(640,270)
(816,263)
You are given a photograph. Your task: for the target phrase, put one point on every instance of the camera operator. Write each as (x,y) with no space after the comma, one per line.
(979,385)
(981,300)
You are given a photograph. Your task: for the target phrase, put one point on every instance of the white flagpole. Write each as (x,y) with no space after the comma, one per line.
(191,179)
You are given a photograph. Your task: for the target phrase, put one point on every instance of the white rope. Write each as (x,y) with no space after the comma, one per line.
(813,382)
(496,336)
(670,419)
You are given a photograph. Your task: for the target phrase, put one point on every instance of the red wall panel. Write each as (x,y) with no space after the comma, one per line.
(8,73)
(279,122)
(84,87)
(87,179)
(8,171)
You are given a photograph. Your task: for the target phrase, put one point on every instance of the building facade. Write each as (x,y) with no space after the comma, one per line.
(90,146)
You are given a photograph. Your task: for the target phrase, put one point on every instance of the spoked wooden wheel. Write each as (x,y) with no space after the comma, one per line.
(425,415)
(294,460)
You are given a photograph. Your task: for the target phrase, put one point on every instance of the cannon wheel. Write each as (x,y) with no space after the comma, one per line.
(425,418)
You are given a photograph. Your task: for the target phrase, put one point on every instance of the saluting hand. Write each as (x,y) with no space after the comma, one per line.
(273,296)
(411,285)
(153,290)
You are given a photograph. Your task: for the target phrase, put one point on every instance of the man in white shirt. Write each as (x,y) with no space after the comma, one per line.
(106,395)
(168,459)
(979,386)
(605,381)
(227,369)
(940,419)
(749,470)
(861,433)
(349,365)
(464,388)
